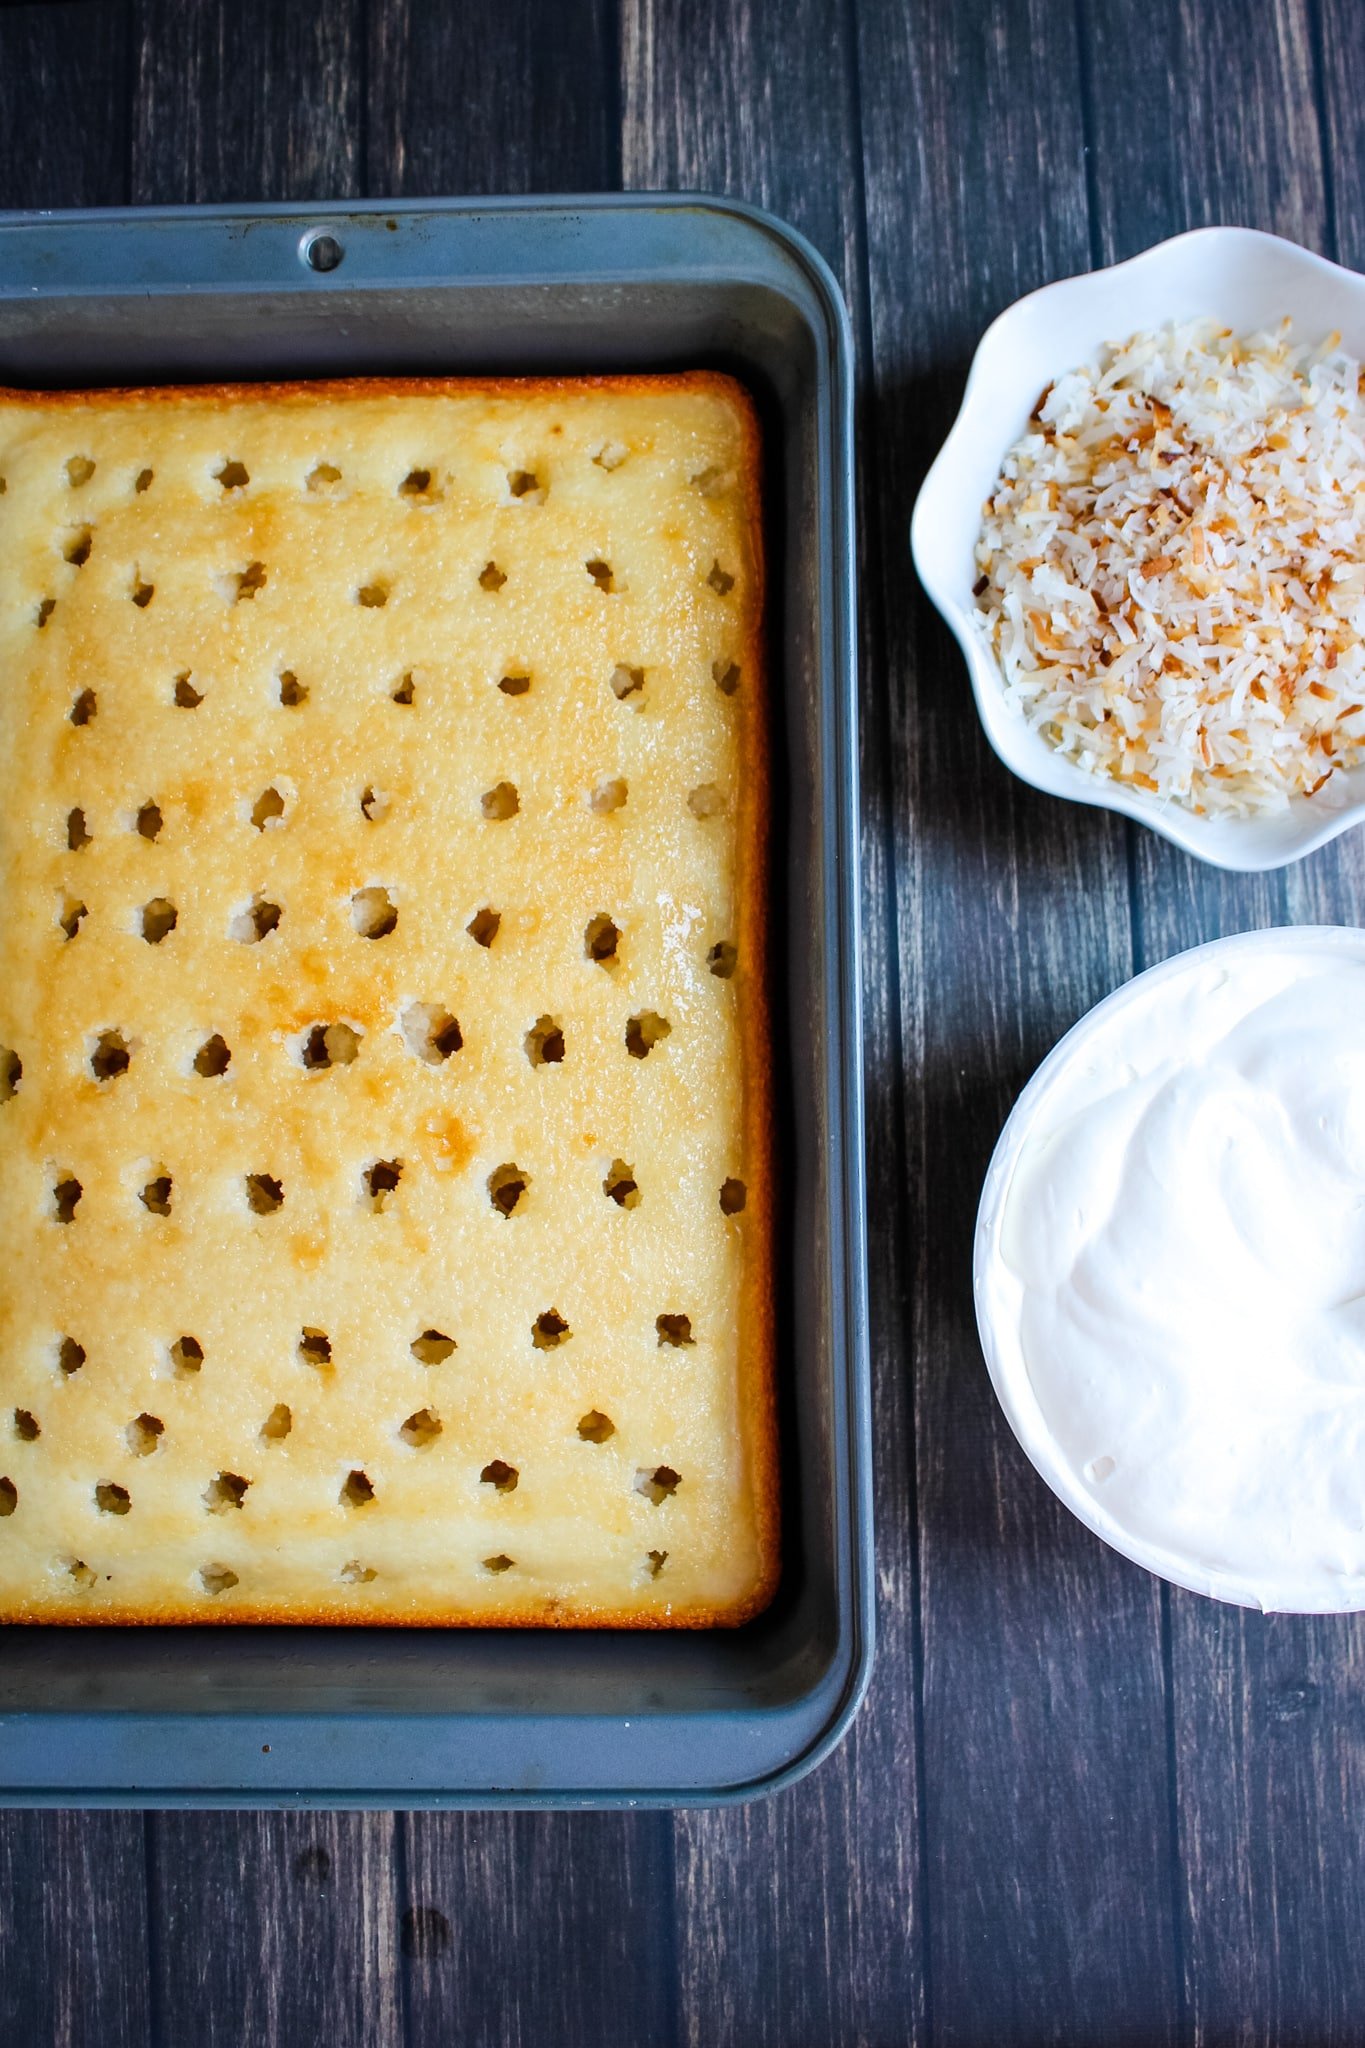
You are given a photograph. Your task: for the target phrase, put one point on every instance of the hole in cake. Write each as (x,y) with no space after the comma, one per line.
(112,1499)
(255,921)
(403,690)
(11,1074)
(514,686)
(66,1193)
(79,470)
(733,1196)
(712,482)
(506,1186)
(84,708)
(264,1194)
(142,593)
(655,1560)
(705,801)
(357,1491)
(610,455)
(357,1574)
(725,675)
(185,694)
(550,1330)
(322,477)
(601,574)
(142,481)
(417,484)
(44,612)
(644,1031)
(9,1496)
(595,1427)
(421,1429)
(601,939)
(217,1578)
(433,1347)
(233,476)
(228,1490)
(315,1347)
(545,1043)
(501,1476)
(157,920)
(501,1563)
(247,582)
(329,1045)
(148,821)
(373,596)
(81,1573)
(379,1181)
(720,580)
(722,959)
(483,926)
(501,801)
(491,577)
(213,1057)
(77,833)
(621,1185)
(268,809)
(627,682)
(70,1355)
(525,485)
(375,805)
(143,1434)
(155,1194)
(658,1485)
(72,912)
(609,795)
(110,1056)
(26,1426)
(430,1033)
(277,1424)
(374,913)
(676,1330)
(292,691)
(187,1355)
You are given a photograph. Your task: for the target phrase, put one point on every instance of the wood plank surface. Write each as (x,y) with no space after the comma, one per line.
(1046,1810)
(1077,1808)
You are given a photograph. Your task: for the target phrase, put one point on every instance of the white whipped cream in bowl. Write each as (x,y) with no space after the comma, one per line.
(1170,1269)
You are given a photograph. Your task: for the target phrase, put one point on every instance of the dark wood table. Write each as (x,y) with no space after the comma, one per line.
(1078,1806)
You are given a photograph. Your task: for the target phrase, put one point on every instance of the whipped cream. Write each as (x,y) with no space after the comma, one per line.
(1171,1269)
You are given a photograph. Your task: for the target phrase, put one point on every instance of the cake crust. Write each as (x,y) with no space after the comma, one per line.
(385,1050)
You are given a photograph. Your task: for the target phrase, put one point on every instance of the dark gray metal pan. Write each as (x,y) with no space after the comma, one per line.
(432,1717)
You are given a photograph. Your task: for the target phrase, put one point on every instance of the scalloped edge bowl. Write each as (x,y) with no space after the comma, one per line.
(1248,281)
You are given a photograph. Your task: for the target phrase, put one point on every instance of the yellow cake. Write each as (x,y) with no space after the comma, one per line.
(383,1043)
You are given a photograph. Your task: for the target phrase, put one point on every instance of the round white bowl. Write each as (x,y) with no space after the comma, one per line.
(996,1291)
(1243,279)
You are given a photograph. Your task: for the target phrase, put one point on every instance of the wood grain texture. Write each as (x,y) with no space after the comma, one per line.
(519,1930)
(745,99)
(275,1929)
(64,104)
(520,97)
(246,99)
(1046,1812)
(73,1931)
(1267,1729)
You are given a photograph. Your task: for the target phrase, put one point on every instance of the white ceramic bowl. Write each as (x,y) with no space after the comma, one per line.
(1247,281)
(997,1292)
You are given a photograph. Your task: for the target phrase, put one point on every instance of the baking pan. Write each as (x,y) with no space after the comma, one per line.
(431,1717)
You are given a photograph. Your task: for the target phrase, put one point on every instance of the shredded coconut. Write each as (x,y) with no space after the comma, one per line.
(1173,567)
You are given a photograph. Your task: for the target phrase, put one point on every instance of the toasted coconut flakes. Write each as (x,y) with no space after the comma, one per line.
(1191,490)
